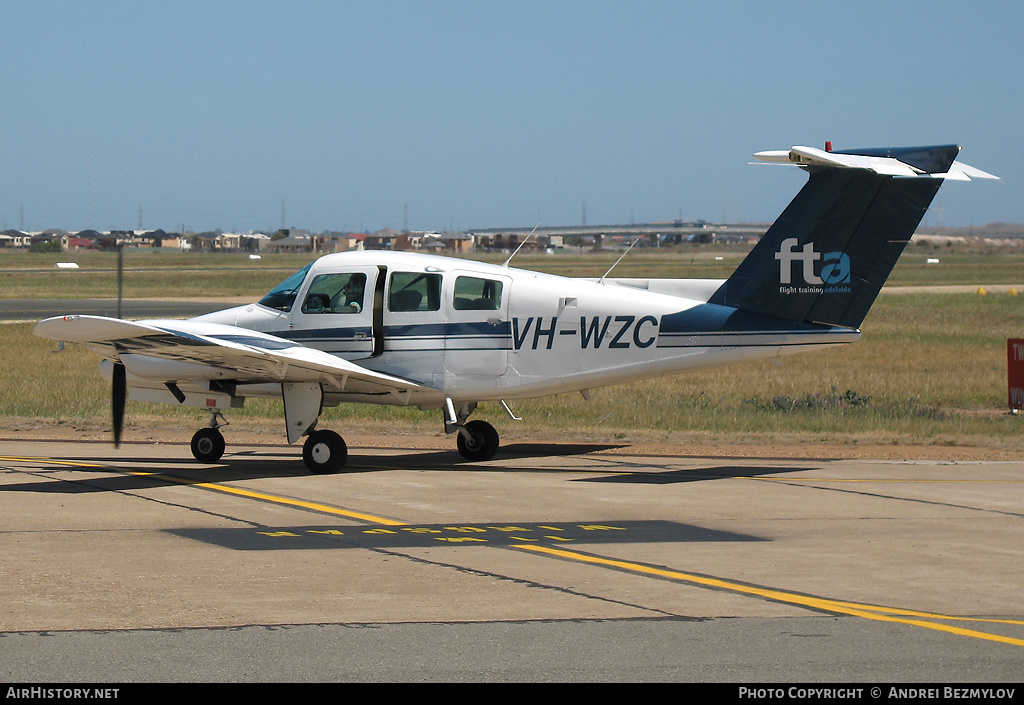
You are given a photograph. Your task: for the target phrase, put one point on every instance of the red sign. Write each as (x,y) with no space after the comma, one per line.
(1015,371)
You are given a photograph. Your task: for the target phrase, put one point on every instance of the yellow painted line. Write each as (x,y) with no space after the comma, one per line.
(50,462)
(928,615)
(277,499)
(302,504)
(900,482)
(883,614)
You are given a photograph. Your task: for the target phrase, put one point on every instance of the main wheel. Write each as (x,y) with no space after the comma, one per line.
(207,445)
(324,452)
(482,442)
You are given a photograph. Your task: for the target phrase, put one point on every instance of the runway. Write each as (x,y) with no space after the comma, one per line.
(37,309)
(552,562)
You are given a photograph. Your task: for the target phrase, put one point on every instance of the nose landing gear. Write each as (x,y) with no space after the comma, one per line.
(477,441)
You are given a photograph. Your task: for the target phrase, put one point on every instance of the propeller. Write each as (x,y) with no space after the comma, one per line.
(119,394)
(119,386)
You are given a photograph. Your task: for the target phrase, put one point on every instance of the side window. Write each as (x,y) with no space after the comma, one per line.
(414,291)
(473,294)
(335,293)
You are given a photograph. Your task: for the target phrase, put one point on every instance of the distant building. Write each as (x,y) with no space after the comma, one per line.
(339,242)
(456,243)
(385,239)
(255,242)
(14,239)
(161,239)
(300,242)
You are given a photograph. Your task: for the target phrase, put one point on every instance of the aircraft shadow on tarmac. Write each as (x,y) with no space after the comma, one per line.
(270,463)
(552,534)
(145,472)
(549,450)
(669,477)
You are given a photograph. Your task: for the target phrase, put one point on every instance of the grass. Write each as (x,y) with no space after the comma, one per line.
(147,274)
(930,367)
(159,274)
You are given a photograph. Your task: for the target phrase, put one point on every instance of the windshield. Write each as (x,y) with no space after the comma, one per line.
(283,295)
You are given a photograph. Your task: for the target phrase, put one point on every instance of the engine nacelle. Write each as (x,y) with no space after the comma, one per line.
(155,368)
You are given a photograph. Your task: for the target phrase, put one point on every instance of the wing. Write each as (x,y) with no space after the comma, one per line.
(178,351)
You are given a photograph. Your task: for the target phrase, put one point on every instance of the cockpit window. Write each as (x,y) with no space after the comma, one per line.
(473,294)
(335,293)
(283,295)
(415,291)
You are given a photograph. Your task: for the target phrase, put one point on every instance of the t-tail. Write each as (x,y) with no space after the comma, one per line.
(827,256)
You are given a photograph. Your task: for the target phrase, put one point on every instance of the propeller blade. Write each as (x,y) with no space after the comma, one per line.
(119,389)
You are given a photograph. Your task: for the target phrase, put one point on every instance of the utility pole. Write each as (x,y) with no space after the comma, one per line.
(88,191)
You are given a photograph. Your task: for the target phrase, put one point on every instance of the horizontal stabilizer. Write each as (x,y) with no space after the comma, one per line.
(925,162)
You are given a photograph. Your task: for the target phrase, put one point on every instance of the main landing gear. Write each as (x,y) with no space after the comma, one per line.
(208,443)
(325,451)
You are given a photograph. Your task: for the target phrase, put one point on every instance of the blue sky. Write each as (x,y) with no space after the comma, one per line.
(347,116)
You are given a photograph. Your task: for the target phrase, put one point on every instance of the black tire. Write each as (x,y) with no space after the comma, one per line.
(207,445)
(483,443)
(324,452)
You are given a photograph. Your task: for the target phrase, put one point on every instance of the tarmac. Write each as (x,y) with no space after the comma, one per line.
(552,562)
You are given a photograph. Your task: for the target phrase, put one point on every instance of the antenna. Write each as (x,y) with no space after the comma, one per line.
(120,274)
(505,263)
(601,281)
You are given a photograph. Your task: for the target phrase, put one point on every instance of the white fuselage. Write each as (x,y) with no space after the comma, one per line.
(486,332)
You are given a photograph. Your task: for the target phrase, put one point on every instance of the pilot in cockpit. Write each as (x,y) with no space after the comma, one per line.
(350,298)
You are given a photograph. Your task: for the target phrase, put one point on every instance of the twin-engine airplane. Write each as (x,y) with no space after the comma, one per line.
(440,333)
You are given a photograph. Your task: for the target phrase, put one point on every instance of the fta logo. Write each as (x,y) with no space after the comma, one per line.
(835,267)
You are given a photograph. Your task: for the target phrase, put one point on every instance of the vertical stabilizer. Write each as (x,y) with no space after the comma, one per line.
(827,256)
